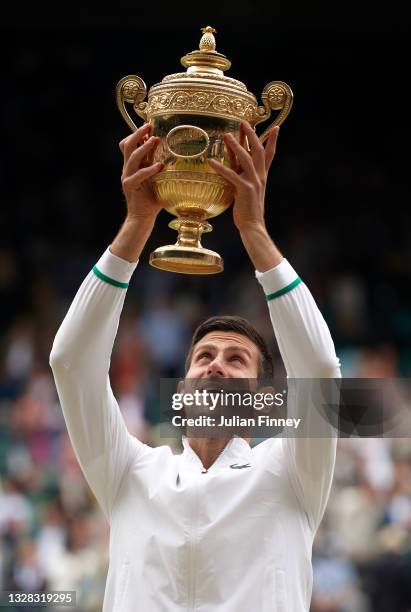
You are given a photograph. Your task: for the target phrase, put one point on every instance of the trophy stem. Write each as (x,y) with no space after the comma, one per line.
(187,256)
(189,232)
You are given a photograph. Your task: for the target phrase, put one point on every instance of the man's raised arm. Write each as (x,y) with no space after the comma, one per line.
(308,354)
(80,358)
(303,337)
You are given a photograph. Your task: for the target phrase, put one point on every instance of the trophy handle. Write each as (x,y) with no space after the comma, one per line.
(277,95)
(133,90)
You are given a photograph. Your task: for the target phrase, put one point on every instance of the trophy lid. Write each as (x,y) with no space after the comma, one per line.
(206,63)
(204,89)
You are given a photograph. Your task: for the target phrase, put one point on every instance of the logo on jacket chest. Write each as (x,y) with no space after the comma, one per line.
(236,466)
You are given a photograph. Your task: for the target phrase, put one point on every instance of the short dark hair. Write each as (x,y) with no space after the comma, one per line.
(240,326)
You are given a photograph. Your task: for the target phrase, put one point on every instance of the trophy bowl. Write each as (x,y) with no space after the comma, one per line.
(190,112)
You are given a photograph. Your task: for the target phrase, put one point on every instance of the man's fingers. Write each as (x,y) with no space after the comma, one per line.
(257,149)
(150,154)
(137,157)
(140,133)
(134,181)
(233,160)
(243,139)
(243,157)
(271,146)
(127,145)
(231,176)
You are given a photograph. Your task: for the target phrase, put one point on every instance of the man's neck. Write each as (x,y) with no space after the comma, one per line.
(209,449)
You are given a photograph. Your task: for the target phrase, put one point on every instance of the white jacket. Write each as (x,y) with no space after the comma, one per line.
(182,538)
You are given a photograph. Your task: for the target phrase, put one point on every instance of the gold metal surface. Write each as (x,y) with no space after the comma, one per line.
(190,112)
(186,260)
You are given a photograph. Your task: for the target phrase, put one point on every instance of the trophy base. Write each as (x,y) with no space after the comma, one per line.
(186,260)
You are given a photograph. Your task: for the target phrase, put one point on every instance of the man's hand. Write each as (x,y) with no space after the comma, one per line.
(142,207)
(248,175)
(138,168)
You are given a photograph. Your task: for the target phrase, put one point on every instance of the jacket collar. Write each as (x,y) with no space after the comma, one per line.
(237,449)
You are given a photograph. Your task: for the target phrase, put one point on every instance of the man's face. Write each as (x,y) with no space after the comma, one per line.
(219,356)
(224,354)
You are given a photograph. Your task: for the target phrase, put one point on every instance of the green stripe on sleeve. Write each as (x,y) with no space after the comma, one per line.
(109,280)
(284,290)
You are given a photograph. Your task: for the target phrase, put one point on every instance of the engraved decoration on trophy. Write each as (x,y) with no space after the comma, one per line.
(190,112)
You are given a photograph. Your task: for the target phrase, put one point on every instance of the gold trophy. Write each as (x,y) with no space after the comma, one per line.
(190,112)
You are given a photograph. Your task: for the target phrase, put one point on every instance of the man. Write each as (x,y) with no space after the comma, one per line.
(190,532)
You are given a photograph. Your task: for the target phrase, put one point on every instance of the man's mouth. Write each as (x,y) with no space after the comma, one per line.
(217,385)
(209,384)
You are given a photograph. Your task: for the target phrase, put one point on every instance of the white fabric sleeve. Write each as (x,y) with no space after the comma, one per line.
(308,352)
(80,360)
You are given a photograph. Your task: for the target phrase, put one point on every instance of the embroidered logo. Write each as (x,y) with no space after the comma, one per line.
(235,466)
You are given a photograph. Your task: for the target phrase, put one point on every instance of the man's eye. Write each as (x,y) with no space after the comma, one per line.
(236,358)
(205,354)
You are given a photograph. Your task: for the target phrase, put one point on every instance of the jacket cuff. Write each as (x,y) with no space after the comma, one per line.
(114,270)
(279,280)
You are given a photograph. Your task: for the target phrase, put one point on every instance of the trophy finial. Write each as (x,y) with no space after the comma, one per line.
(206,57)
(207,42)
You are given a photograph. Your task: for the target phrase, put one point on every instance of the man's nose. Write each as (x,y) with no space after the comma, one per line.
(215,368)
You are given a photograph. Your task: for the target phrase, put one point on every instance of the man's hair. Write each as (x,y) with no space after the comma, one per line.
(238,325)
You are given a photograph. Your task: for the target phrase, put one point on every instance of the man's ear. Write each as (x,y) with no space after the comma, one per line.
(267,389)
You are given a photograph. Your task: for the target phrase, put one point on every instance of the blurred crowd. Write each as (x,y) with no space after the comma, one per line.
(52,534)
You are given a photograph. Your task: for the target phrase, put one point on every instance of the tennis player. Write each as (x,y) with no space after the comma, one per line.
(223,526)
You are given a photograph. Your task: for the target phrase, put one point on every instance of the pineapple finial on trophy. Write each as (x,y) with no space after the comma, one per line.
(206,57)
(207,42)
